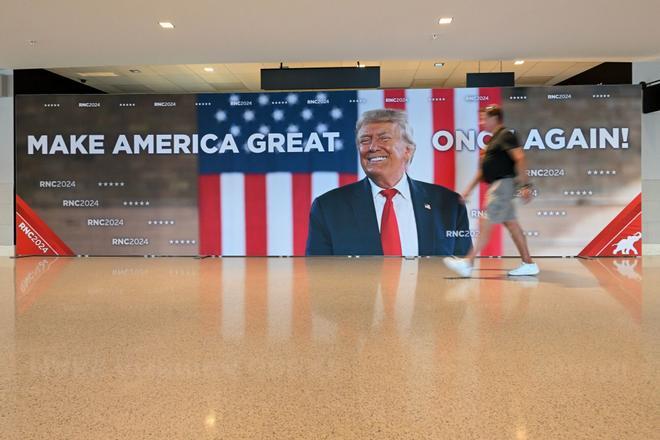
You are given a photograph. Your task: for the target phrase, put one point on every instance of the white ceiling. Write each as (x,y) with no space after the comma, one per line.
(125,32)
(246,76)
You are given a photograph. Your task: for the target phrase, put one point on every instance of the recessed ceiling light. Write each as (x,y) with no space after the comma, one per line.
(439,65)
(97,74)
(166,24)
(208,69)
(519,62)
(446,20)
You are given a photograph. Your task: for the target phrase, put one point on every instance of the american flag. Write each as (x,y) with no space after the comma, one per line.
(258,204)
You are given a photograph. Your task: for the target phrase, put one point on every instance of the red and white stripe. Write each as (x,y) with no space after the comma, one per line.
(260,214)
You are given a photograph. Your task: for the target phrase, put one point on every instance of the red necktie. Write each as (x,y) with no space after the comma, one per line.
(389,228)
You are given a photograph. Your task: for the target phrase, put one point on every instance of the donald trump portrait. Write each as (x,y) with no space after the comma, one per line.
(388,212)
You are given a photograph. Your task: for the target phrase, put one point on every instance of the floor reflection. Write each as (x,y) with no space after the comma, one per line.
(282,298)
(334,347)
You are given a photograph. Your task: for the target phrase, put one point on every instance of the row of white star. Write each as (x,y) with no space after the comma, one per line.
(278,114)
(551,213)
(160,222)
(183,241)
(601,172)
(579,193)
(121,104)
(137,203)
(111,183)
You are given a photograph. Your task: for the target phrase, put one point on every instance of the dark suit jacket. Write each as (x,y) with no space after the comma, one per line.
(343,221)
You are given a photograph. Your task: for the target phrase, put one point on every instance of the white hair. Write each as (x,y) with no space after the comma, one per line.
(399,117)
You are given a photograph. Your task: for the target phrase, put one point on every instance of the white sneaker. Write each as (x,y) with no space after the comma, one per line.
(458,265)
(525,269)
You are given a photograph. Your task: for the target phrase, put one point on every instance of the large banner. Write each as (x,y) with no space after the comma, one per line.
(237,174)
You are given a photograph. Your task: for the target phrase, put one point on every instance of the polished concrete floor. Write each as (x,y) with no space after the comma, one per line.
(336,348)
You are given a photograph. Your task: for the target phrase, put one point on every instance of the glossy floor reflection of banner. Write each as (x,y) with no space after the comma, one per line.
(366,348)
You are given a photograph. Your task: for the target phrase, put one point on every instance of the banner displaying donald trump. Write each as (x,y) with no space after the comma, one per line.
(298,173)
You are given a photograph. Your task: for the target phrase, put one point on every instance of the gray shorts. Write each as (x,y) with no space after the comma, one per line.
(499,200)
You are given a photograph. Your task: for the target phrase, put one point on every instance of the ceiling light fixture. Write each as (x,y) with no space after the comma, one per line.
(166,24)
(519,62)
(97,74)
(439,65)
(446,20)
(208,69)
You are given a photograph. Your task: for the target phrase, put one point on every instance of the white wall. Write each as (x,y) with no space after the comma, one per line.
(6,164)
(650,71)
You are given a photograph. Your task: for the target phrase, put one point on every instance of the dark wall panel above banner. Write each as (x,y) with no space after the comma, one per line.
(310,78)
(42,81)
(490,79)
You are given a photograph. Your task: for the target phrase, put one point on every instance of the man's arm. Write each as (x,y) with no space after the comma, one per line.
(472,185)
(520,164)
(318,237)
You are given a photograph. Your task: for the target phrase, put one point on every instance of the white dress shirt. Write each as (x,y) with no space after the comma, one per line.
(405,214)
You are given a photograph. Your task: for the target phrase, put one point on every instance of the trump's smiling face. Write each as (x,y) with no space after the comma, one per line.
(384,154)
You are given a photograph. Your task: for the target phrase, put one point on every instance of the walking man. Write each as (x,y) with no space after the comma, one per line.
(503,167)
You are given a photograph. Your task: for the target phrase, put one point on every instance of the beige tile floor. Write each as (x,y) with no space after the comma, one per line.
(176,348)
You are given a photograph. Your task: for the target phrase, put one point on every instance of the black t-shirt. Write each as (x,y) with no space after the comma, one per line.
(497,163)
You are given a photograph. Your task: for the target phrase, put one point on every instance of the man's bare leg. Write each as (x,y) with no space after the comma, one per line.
(482,240)
(519,239)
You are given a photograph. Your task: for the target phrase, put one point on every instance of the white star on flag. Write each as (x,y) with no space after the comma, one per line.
(263,99)
(292,129)
(235,130)
(321,128)
(306,114)
(221,116)
(336,113)
(278,114)
(264,129)
(292,99)
(234,98)
(248,115)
